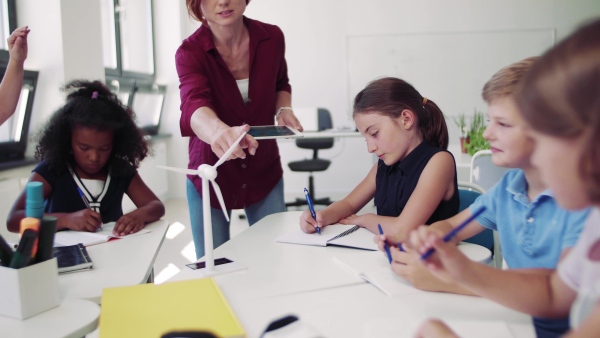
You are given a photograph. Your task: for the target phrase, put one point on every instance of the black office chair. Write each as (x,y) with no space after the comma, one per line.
(315,163)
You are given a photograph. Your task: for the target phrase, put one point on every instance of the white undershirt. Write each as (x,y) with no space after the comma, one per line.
(93,186)
(243,87)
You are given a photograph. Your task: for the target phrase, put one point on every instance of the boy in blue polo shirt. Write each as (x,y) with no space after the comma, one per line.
(534,231)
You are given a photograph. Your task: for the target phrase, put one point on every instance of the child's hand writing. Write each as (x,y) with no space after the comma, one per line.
(308,224)
(82,220)
(416,238)
(408,266)
(447,262)
(128,224)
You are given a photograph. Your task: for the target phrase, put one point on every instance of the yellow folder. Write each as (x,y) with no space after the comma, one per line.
(150,310)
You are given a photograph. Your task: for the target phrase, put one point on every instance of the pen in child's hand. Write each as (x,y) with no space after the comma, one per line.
(311,208)
(387,248)
(455,231)
(83,198)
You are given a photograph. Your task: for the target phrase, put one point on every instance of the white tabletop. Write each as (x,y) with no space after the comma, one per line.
(365,311)
(276,268)
(122,262)
(72,318)
(308,281)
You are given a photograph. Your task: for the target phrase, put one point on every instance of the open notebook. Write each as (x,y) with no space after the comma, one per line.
(351,236)
(70,237)
(375,268)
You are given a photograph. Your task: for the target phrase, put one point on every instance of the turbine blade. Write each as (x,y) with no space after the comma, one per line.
(179,170)
(220,198)
(229,151)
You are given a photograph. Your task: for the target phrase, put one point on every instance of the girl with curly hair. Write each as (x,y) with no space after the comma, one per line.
(90,151)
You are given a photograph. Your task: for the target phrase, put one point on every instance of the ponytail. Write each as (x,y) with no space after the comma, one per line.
(433,125)
(389,96)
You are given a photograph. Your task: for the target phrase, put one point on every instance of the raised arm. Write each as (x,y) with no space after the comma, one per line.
(12,83)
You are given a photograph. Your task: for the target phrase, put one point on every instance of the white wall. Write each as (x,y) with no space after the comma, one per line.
(316,35)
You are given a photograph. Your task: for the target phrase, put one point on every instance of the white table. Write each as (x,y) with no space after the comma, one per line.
(72,318)
(276,268)
(122,262)
(308,281)
(365,311)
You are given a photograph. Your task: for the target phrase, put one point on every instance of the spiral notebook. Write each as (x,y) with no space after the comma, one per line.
(351,236)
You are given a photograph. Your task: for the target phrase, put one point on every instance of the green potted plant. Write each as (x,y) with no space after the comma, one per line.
(461,123)
(475,134)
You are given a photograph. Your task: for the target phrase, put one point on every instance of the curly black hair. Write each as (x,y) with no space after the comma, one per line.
(92,105)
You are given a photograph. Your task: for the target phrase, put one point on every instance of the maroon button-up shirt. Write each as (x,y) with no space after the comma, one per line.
(205,81)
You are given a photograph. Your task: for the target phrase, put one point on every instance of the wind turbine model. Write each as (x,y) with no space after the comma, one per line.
(209,173)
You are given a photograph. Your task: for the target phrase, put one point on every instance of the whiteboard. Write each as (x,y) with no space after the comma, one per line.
(448,68)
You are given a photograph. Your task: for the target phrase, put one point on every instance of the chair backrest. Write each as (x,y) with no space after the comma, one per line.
(468,192)
(323,122)
(483,171)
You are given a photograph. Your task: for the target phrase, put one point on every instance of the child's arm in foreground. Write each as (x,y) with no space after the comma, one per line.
(149,208)
(12,83)
(537,294)
(82,220)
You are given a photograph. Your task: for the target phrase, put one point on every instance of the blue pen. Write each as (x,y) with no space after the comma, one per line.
(387,248)
(454,231)
(400,247)
(311,208)
(85,200)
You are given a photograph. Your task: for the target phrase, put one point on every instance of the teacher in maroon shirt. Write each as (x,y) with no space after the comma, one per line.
(233,74)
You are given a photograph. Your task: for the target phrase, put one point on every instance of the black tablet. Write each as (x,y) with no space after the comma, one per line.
(269,132)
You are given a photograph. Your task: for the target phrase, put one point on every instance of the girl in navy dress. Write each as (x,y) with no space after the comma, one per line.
(414,181)
(90,151)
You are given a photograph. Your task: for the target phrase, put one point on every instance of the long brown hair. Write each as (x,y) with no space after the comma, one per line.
(560,97)
(390,96)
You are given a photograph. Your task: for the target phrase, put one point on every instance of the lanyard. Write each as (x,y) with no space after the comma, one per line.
(92,202)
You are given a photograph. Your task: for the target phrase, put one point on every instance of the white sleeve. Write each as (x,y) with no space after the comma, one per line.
(571,268)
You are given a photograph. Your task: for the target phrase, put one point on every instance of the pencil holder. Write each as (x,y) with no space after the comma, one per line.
(29,291)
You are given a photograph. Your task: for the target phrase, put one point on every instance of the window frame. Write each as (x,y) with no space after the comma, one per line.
(118,73)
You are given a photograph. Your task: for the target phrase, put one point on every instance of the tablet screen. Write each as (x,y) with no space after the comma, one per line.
(261,132)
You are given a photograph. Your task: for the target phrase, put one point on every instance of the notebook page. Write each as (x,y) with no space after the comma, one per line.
(70,237)
(107,229)
(374,267)
(300,237)
(360,239)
